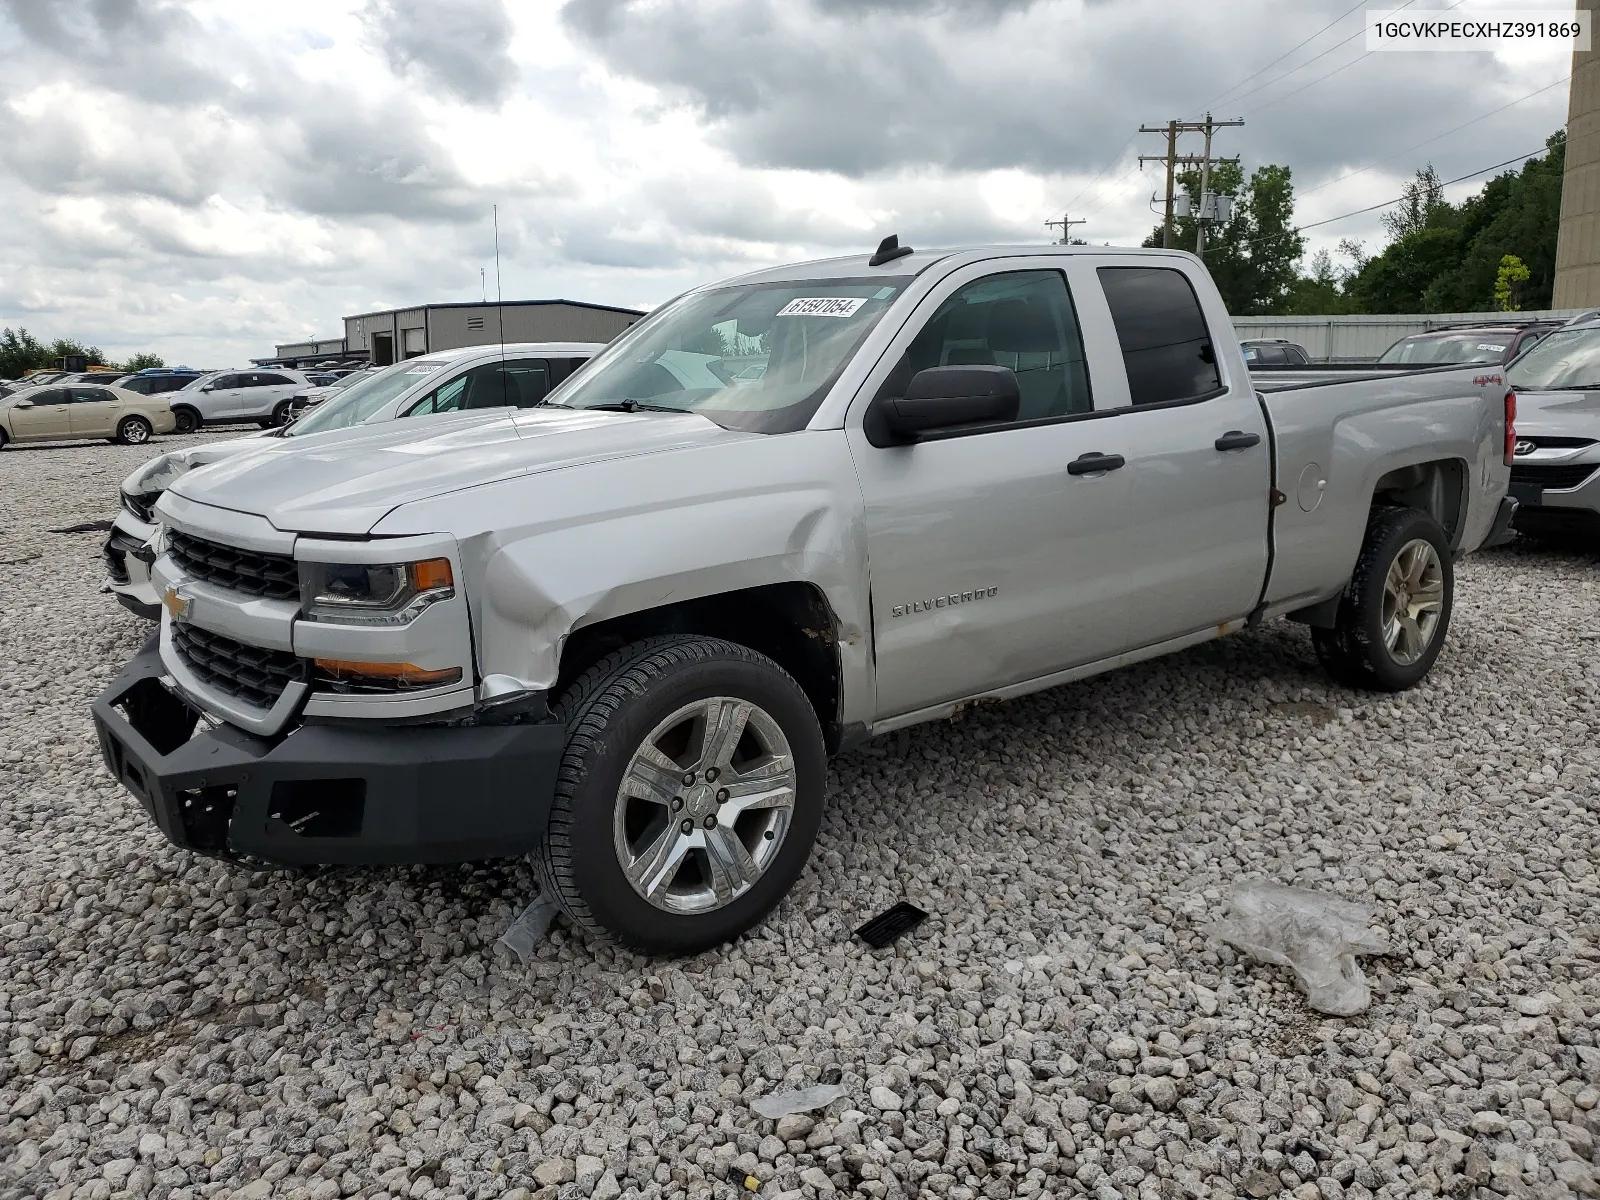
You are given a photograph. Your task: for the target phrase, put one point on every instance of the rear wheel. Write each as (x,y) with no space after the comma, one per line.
(280,414)
(689,794)
(188,419)
(1395,612)
(134,431)
(3,439)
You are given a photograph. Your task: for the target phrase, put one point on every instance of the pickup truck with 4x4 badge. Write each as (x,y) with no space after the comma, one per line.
(621,632)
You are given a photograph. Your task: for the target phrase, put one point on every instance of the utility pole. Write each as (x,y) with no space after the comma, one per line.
(1066,224)
(1173,160)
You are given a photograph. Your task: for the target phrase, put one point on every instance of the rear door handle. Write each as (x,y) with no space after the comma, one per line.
(1236,439)
(1094,463)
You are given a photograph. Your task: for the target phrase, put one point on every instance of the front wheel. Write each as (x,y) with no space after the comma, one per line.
(188,420)
(134,431)
(1394,614)
(280,415)
(689,794)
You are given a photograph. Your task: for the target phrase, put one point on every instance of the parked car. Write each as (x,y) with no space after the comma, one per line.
(1555,475)
(473,380)
(1467,344)
(314,396)
(60,412)
(623,630)
(159,381)
(237,397)
(1274,352)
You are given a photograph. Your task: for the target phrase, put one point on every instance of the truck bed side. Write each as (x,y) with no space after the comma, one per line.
(1431,439)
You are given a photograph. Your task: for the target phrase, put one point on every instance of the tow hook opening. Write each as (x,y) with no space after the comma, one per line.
(320,808)
(206,812)
(158,716)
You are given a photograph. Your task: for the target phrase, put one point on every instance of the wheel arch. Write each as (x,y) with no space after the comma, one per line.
(791,623)
(1437,487)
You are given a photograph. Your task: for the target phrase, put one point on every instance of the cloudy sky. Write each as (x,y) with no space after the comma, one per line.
(205,178)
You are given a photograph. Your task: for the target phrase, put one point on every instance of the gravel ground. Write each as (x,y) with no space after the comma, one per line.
(1059,1026)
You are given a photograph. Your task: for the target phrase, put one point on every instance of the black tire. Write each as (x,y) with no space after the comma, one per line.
(1356,652)
(609,712)
(188,419)
(3,439)
(280,414)
(134,431)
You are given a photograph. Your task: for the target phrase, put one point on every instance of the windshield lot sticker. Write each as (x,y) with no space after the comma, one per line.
(1489,346)
(823,306)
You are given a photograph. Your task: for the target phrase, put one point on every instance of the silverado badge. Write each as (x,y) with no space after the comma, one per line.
(176,603)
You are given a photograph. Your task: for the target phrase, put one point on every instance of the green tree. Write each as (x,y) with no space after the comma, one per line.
(1252,255)
(1447,257)
(139,362)
(69,347)
(1422,205)
(1508,283)
(1319,293)
(20,351)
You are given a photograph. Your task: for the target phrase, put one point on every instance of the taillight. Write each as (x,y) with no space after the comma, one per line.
(1511,427)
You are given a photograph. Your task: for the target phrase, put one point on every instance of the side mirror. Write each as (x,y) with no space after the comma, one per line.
(210,387)
(940,398)
(24,403)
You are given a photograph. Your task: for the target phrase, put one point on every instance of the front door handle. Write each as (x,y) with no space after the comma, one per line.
(1236,439)
(1094,463)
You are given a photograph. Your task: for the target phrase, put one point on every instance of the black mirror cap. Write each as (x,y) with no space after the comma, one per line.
(942,398)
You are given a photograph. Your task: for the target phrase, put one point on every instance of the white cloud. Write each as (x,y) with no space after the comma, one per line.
(206,178)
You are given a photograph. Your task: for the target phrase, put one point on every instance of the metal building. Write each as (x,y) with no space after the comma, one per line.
(386,337)
(1578,241)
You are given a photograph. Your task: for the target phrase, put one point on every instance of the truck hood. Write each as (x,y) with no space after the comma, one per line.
(346,485)
(1559,414)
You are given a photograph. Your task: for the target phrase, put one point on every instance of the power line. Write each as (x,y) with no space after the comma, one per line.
(1288,52)
(1114,158)
(1304,86)
(1324,54)
(1435,138)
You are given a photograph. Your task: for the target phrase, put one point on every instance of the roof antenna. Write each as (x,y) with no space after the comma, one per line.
(888,250)
(500,310)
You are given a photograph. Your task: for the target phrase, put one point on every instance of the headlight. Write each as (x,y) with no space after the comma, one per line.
(373,594)
(140,505)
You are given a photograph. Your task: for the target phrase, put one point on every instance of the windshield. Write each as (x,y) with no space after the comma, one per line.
(1457,348)
(758,357)
(1567,358)
(359,401)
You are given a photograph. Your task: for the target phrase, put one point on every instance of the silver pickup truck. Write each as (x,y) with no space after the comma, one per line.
(624,630)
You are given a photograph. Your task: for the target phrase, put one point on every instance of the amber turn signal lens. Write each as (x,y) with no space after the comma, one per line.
(397,673)
(432,574)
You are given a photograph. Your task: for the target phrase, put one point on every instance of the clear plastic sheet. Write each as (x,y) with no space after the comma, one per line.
(524,934)
(786,1104)
(1317,936)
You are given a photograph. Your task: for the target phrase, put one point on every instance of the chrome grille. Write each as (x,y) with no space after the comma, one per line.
(249,673)
(272,576)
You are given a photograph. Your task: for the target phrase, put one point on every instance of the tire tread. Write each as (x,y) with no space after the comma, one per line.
(587,708)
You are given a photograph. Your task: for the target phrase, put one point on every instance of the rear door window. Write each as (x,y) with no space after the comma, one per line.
(1166,346)
(515,383)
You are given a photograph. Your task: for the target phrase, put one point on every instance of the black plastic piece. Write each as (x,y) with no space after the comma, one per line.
(888,250)
(1089,464)
(1237,439)
(939,398)
(327,795)
(892,925)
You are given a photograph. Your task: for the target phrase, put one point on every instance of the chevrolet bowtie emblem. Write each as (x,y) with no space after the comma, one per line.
(176,603)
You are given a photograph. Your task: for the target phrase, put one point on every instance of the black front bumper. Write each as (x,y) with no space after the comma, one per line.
(326,794)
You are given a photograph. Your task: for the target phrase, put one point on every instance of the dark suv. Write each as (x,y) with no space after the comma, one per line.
(1274,352)
(1467,344)
(158,380)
